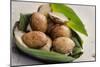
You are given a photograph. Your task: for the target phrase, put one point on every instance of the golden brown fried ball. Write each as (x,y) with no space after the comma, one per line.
(60,31)
(38,22)
(63,45)
(35,39)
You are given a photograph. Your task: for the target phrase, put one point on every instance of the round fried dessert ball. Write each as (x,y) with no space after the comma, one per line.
(63,45)
(34,39)
(38,22)
(60,31)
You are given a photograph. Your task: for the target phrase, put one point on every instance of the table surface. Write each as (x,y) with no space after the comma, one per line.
(86,13)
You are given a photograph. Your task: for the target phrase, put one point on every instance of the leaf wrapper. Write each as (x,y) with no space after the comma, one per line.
(74,21)
(23,22)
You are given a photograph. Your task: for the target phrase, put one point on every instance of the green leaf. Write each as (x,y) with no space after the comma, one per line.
(77,39)
(76,27)
(75,23)
(77,52)
(45,55)
(23,22)
(76,42)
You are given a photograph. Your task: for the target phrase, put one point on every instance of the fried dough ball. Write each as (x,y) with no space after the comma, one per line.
(38,22)
(63,45)
(35,39)
(60,31)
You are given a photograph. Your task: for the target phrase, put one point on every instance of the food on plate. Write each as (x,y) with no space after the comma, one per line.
(49,35)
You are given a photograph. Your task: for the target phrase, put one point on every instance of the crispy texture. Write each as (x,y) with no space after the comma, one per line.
(38,22)
(34,39)
(60,31)
(63,45)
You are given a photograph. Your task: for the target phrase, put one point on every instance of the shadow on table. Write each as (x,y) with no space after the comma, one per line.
(15,49)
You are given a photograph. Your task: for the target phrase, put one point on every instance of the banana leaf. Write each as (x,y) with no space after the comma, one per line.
(23,22)
(78,49)
(75,22)
(77,52)
(77,39)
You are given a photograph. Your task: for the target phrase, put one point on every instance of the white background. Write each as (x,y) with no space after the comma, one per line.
(5,33)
